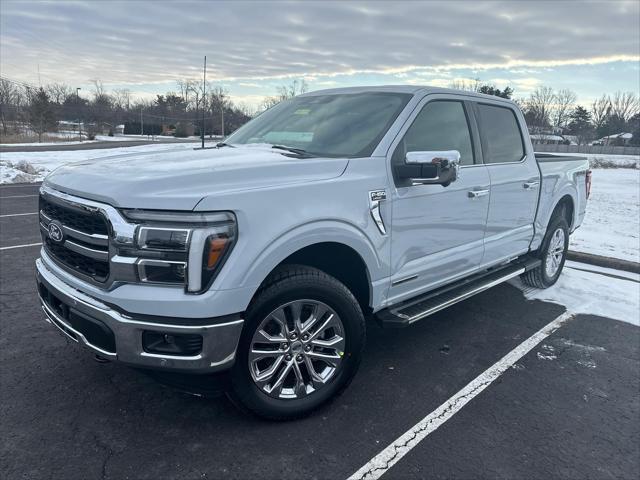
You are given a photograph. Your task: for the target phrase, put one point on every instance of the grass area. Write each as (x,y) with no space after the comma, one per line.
(33,138)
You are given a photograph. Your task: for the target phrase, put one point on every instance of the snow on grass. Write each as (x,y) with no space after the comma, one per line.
(592,293)
(20,167)
(611,226)
(63,138)
(599,160)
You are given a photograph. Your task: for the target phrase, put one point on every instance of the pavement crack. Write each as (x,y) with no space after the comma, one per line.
(399,447)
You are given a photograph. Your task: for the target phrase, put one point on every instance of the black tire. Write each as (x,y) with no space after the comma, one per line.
(288,284)
(539,277)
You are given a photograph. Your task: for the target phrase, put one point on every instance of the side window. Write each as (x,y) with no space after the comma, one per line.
(502,138)
(441,125)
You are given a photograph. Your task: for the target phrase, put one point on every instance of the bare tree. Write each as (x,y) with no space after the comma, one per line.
(219,100)
(285,92)
(624,105)
(121,98)
(98,89)
(196,89)
(9,93)
(186,86)
(58,92)
(600,110)
(539,106)
(563,106)
(466,84)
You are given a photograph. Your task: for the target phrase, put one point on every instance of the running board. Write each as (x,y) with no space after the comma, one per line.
(415,309)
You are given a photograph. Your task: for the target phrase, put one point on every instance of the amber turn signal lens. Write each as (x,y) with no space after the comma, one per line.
(216,249)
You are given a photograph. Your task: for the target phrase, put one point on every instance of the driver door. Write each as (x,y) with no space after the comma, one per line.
(437,232)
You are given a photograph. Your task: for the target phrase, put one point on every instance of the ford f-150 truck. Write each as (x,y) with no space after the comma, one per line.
(265,257)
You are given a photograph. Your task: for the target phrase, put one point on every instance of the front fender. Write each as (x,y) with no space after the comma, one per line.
(320,231)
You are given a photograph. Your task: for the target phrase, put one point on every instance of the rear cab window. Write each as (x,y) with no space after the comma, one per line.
(500,134)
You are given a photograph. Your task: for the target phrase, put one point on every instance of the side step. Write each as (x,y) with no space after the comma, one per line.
(410,311)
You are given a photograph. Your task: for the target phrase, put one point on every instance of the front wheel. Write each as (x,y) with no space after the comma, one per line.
(301,345)
(553,254)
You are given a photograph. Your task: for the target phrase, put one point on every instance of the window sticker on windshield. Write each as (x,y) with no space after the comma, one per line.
(302,111)
(287,137)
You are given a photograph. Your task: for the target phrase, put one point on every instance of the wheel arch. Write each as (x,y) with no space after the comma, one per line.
(566,207)
(340,250)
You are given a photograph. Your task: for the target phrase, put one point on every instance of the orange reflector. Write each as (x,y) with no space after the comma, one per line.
(216,247)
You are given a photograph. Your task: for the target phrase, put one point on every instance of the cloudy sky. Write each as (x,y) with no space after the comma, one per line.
(252,47)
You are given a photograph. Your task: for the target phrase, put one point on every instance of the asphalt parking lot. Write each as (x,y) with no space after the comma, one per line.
(569,408)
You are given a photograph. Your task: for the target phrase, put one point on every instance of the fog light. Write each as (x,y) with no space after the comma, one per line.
(166,343)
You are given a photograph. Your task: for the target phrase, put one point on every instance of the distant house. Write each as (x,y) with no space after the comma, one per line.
(548,139)
(618,139)
(118,130)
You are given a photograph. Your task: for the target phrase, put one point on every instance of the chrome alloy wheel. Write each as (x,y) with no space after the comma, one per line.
(297,349)
(555,253)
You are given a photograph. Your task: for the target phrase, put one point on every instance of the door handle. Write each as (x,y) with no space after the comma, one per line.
(530,185)
(478,193)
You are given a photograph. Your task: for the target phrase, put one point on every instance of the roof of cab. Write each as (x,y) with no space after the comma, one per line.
(410,89)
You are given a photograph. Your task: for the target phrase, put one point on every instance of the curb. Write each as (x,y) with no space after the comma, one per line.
(601,261)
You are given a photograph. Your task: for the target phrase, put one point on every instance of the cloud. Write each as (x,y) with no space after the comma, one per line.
(256,44)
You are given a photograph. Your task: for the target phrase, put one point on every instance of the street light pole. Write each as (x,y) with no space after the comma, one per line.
(204,97)
(78,103)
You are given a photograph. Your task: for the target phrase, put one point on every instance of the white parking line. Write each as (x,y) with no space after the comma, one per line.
(19,196)
(17,214)
(20,246)
(388,457)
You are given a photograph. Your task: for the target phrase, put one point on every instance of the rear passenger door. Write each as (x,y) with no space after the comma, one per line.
(515,182)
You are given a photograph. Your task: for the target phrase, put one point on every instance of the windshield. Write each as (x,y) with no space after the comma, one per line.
(338,125)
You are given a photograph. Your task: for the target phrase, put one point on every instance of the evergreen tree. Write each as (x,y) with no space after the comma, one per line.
(492,90)
(42,117)
(580,124)
(634,128)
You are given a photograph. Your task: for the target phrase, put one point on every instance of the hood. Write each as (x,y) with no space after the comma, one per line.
(178,180)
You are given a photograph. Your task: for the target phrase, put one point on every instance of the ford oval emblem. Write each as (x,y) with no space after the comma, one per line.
(55,232)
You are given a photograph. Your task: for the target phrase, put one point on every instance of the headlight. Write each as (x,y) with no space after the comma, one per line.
(180,248)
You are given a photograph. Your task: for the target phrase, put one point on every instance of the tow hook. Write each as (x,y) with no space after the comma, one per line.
(100,359)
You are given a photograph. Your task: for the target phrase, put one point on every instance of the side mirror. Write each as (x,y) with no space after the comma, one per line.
(431,168)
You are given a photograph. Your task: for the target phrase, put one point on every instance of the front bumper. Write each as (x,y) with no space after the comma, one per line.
(118,336)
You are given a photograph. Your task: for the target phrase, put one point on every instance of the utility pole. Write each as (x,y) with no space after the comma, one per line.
(141,124)
(204,96)
(78,102)
(222,118)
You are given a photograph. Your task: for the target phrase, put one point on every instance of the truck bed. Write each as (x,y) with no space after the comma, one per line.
(552,157)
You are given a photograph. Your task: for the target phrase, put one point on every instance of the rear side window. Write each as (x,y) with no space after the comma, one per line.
(502,140)
(441,125)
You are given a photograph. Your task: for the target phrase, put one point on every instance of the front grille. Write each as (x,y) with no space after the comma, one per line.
(84,246)
(88,266)
(89,222)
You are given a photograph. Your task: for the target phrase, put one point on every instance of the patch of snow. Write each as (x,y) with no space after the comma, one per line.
(600,160)
(597,269)
(591,293)
(44,144)
(547,353)
(19,167)
(611,227)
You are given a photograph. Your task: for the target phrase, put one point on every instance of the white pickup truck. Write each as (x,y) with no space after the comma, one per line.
(263,258)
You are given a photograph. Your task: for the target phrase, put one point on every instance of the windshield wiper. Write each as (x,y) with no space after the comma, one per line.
(297,151)
(223,144)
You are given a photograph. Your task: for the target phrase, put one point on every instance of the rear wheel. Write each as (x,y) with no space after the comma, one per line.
(301,345)
(553,254)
